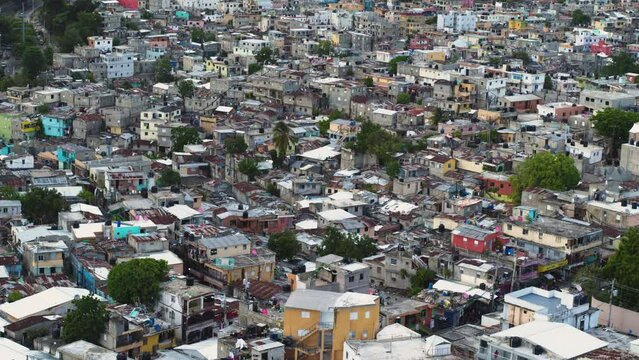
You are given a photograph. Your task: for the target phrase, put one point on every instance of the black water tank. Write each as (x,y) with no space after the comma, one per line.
(76,225)
(189,281)
(538,350)
(634,205)
(175,189)
(121,356)
(154,189)
(515,342)
(624,202)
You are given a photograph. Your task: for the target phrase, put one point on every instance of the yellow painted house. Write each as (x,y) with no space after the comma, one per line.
(516,24)
(217,66)
(320,321)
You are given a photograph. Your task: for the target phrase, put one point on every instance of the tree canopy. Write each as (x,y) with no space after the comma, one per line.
(283,138)
(392,65)
(623,266)
(420,280)
(185,88)
(622,63)
(579,18)
(349,246)
(392,168)
(324,48)
(137,281)
(403,98)
(33,62)
(546,170)
(169,177)
(86,322)
(284,244)
(265,56)
(235,145)
(181,136)
(374,139)
(200,36)
(369,82)
(41,206)
(163,68)
(548,83)
(248,167)
(615,125)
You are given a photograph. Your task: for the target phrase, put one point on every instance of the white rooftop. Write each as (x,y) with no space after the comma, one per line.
(11,350)
(322,153)
(445,285)
(336,215)
(557,338)
(79,207)
(325,300)
(182,211)
(41,302)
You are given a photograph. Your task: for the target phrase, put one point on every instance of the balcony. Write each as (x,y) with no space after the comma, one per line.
(124,343)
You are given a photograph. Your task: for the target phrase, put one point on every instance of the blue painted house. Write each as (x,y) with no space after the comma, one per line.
(58,123)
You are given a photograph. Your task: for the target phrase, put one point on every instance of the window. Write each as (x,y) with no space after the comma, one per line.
(361,276)
(172,298)
(353,315)
(41,271)
(40,257)
(305,314)
(52,270)
(509,227)
(352,334)
(351,278)
(524,231)
(393,261)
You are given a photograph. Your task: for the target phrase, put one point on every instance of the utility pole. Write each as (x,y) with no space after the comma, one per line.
(512,279)
(23,30)
(612,291)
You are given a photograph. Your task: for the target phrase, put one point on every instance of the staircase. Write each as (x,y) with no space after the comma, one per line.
(419,262)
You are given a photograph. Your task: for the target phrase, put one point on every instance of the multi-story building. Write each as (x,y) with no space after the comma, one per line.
(122,336)
(103,43)
(44,257)
(456,22)
(150,121)
(191,308)
(118,65)
(474,239)
(57,123)
(272,89)
(250,47)
(535,304)
(595,100)
(559,242)
(320,321)
(538,340)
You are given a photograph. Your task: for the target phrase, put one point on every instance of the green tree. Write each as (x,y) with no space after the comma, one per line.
(41,206)
(392,168)
(86,196)
(373,139)
(369,82)
(253,68)
(33,62)
(523,56)
(137,281)
(548,83)
(14,296)
(284,244)
(169,177)
(403,98)
(48,55)
(200,36)
(323,126)
(420,281)
(614,124)
(438,116)
(490,136)
(579,18)
(181,136)
(622,63)
(350,246)
(248,167)
(623,266)
(8,193)
(546,170)
(235,145)
(185,89)
(163,70)
(324,48)
(392,65)
(265,56)
(283,138)
(337,114)
(86,322)
(43,109)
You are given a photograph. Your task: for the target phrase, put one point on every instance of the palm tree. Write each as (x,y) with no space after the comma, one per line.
(283,138)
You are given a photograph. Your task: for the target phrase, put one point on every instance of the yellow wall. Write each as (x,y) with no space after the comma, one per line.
(343,325)
(519,316)
(469,165)
(154,340)
(516,24)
